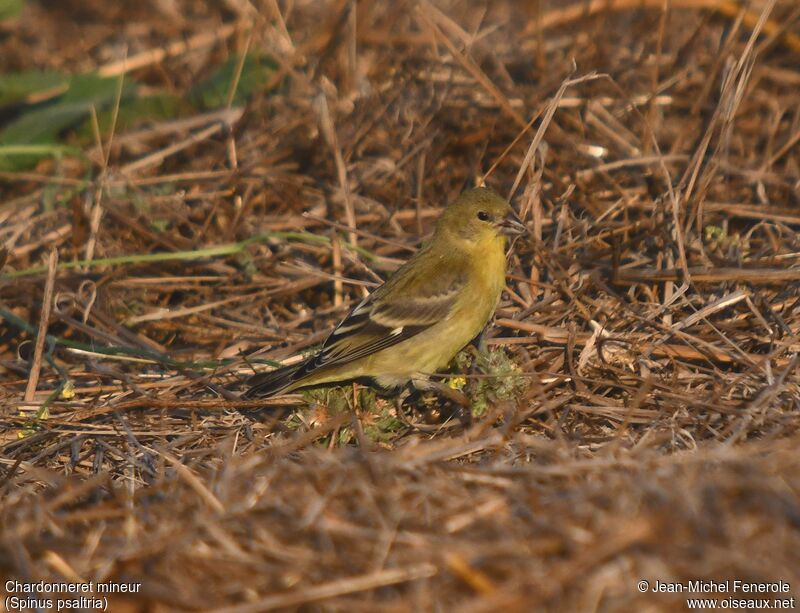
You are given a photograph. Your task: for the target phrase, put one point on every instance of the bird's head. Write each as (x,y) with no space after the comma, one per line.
(479,214)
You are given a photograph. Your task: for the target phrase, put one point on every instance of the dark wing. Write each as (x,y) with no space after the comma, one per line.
(398,310)
(265,384)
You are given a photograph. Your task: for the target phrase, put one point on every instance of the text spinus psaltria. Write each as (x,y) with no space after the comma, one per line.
(430,308)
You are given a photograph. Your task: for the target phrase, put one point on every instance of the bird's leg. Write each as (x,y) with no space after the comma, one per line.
(448,393)
(477,348)
(445,391)
(478,345)
(408,394)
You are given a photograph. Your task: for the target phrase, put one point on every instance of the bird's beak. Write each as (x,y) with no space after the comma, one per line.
(511,226)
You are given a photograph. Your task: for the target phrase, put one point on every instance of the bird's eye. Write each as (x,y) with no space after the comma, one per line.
(483,215)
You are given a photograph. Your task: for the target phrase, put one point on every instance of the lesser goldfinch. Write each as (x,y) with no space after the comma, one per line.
(429,309)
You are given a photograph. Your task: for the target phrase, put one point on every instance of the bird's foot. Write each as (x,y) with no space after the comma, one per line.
(457,398)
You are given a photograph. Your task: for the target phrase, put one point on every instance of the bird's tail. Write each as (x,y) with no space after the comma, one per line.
(272,383)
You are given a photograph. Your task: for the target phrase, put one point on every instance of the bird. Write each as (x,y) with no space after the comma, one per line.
(416,322)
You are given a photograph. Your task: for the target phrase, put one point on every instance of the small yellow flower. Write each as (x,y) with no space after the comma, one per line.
(457,383)
(68,391)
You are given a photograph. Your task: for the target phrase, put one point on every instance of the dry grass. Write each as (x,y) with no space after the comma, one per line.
(651,313)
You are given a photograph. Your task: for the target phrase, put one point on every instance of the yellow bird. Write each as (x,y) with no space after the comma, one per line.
(430,308)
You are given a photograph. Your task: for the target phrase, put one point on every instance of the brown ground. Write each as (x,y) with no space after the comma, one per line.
(650,330)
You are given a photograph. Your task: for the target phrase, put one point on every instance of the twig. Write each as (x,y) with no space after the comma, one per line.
(44,322)
(329,132)
(157,157)
(198,254)
(758,276)
(340,587)
(471,67)
(154,56)
(548,116)
(185,473)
